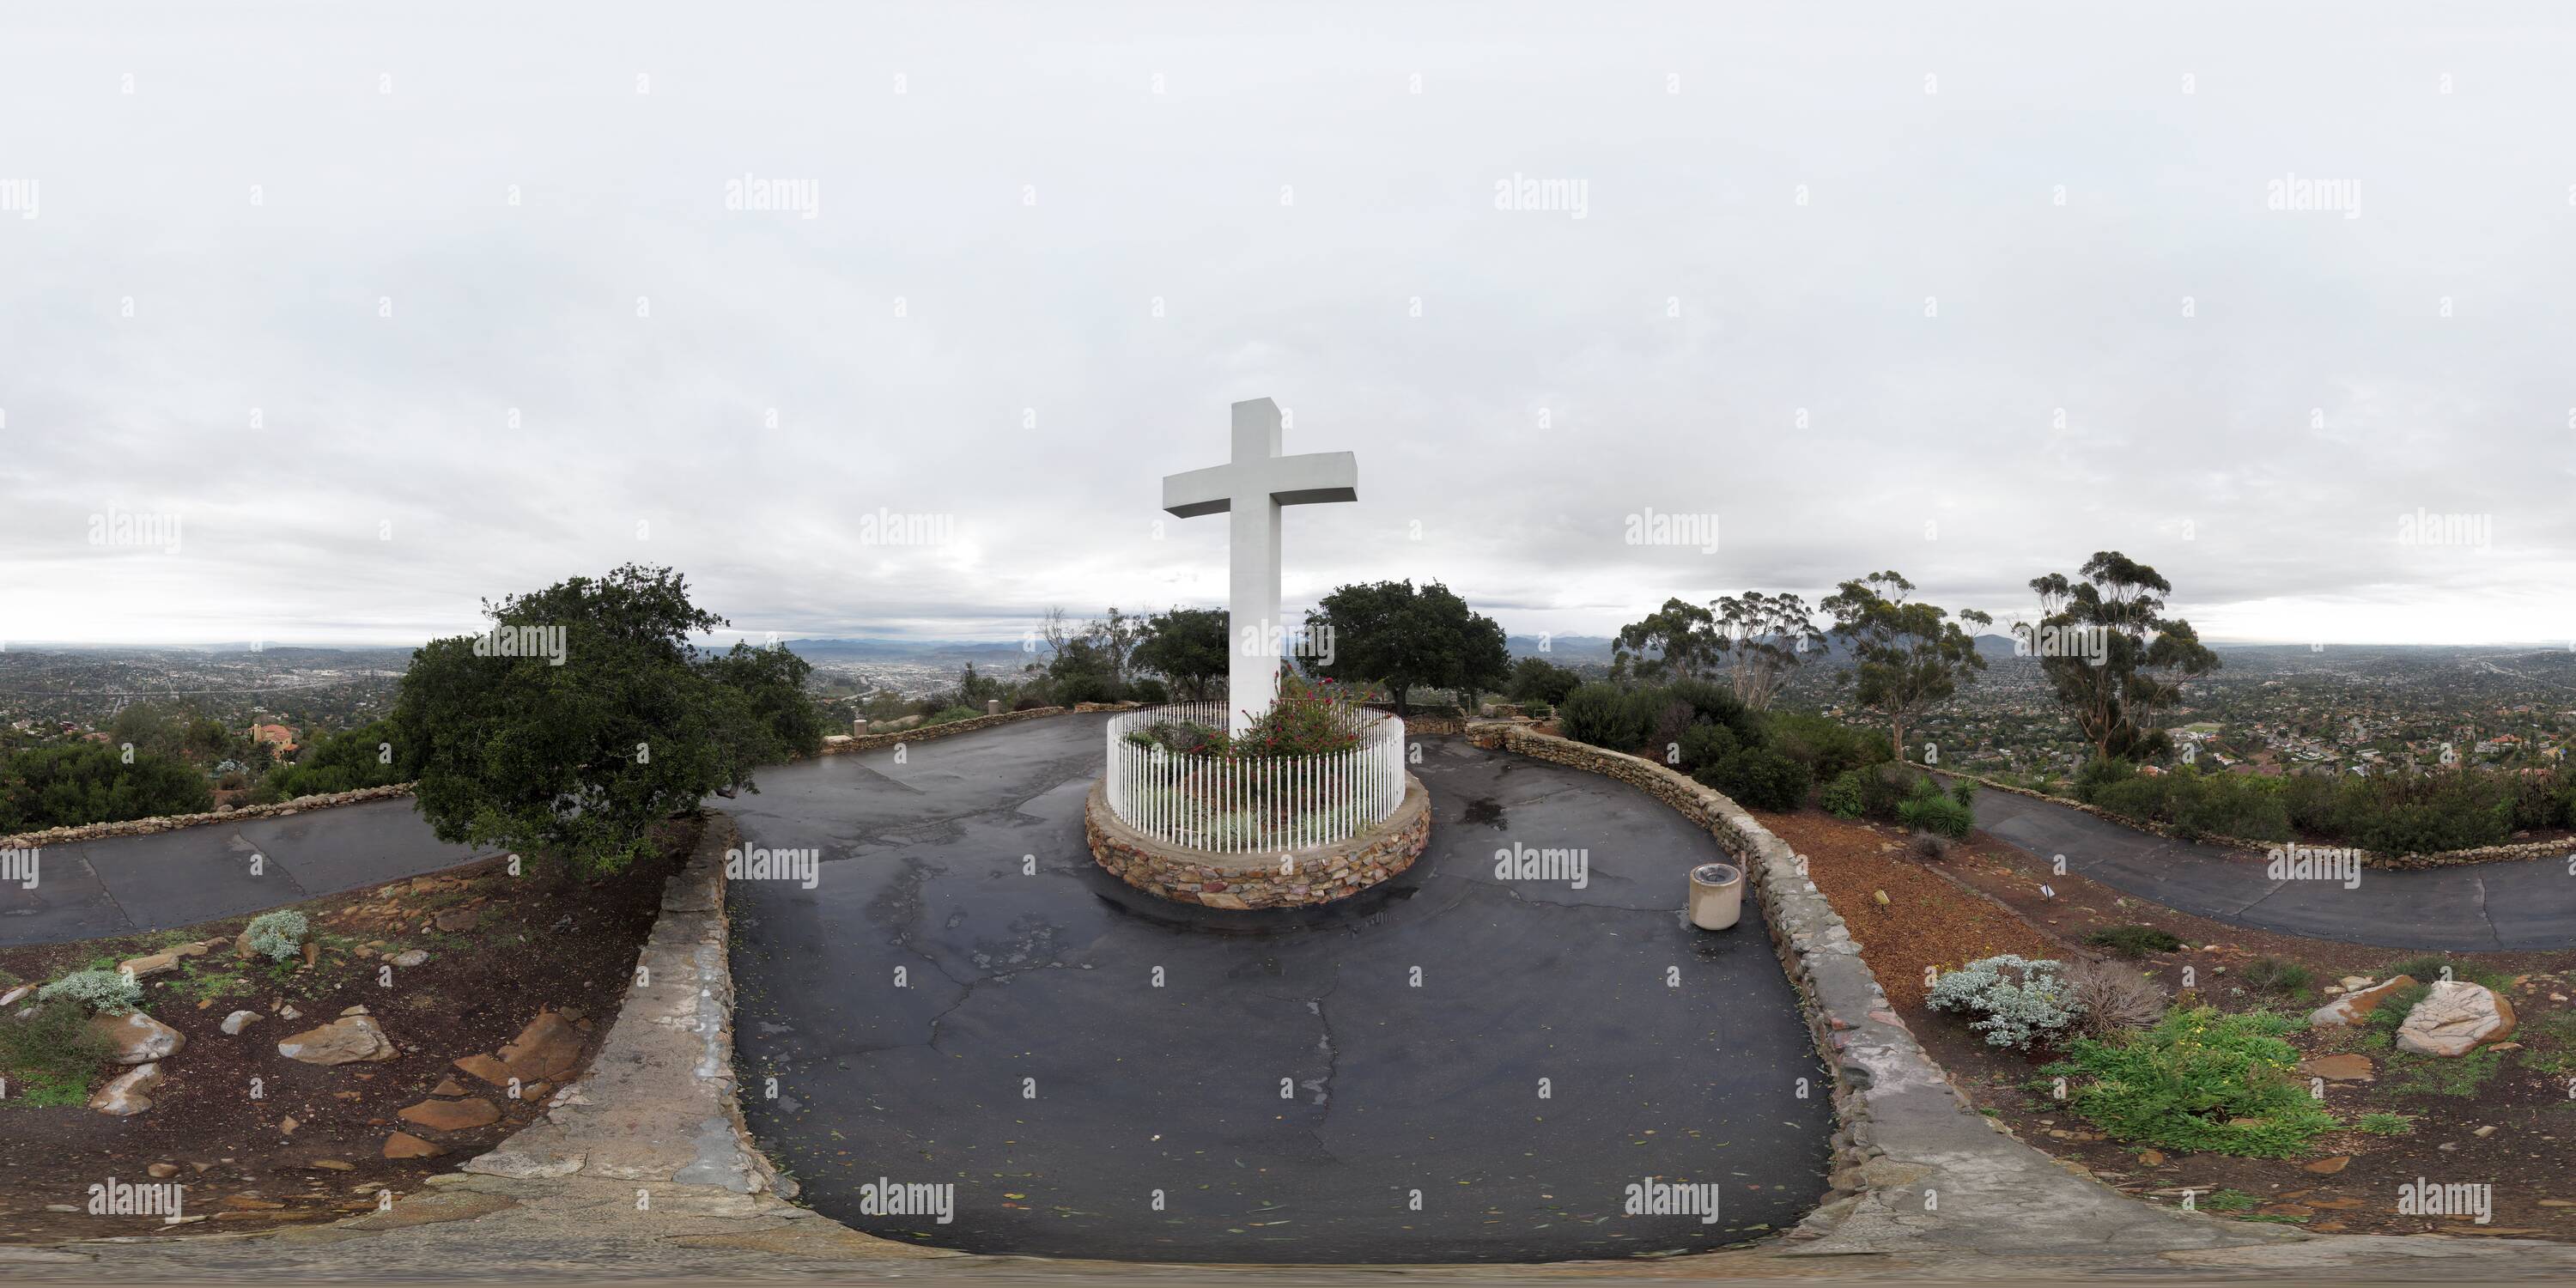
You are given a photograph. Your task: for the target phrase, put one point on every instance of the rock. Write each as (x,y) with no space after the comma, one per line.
(242,948)
(11,997)
(286,1126)
(549,1048)
(2330,1166)
(486,1068)
(2338,1068)
(452,1115)
(448,1087)
(2454,1018)
(128,1093)
(2351,982)
(239,1020)
(162,1171)
(2484,1132)
(312,952)
(2558,1202)
(332,1165)
(456,920)
(356,1010)
(2353,1008)
(347,1039)
(157,963)
(410,958)
(2152,1157)
(137,1038)
(533,1090)
(289,1013)
(403,1144)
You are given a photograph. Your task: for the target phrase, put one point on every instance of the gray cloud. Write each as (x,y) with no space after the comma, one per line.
(1272,178)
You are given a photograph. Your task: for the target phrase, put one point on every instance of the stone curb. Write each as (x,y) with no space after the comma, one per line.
(174,822)
(657,1106)
(2401,862)
(1916,1169)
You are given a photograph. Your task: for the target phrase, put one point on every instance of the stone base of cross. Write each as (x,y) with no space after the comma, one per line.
(1251,488)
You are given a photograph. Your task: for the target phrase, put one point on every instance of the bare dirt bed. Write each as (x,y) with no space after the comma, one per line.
(1986,898)
(502,950)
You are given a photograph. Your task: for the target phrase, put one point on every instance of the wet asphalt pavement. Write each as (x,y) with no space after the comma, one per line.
(1452,1068)
(2526,905)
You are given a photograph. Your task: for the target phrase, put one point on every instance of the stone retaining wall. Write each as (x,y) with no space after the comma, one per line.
(173,822)
(1318,875)
(2441,859)
(1913,1163)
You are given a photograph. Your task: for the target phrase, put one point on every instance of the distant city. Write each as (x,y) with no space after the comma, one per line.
(2272,709)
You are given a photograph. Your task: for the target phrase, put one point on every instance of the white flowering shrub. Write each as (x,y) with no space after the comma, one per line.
(2013,999)
(277,935)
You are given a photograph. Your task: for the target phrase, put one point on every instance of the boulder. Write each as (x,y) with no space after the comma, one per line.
(137,1038)
(403,1144)
(11,997)
(129,1092)
(457,920)
(549,1049)
(485,1067)
(342,1041)
(155,964)
(448,1087)
(2353,1008)
(452,1115)
(239,1020)
(410,958)
(2454,1019)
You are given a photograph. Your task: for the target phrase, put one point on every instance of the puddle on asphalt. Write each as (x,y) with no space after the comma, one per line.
(1485,810)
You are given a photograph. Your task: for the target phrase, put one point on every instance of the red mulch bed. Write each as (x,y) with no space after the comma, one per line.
(1985,898)
(538,941)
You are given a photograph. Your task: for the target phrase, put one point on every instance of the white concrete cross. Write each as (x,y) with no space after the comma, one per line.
(1251,488)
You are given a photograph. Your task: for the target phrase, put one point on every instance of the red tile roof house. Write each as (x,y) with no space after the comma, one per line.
(275,735)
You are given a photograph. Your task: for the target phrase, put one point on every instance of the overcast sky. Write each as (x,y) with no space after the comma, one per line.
(1967,292)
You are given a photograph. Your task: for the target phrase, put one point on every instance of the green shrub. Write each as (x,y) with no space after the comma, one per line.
(1535,679)
(1149,692)
(951,715)
(1937,814)
(277,935)
(50,1056)
(2458,1077)
(1603,716)
(1827,747)
(2134,942)
(2272,975)
(2383,1021)
(1891,783)
(1707,744)
(1847,796)
(2098,774)
(1759,778)
(1964,790)
(2199,1081)
(2385,1124)
(2229,1201)
(99,989)
(1714,703)
(1534,710)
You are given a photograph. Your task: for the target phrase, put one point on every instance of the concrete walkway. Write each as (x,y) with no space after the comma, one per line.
(163,880)
(2522,906)
(1101,1074)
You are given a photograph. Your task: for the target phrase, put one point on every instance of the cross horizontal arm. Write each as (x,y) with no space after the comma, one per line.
(1197,492)
(1317,476)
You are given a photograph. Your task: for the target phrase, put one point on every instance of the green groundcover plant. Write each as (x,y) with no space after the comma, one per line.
(2201,1081)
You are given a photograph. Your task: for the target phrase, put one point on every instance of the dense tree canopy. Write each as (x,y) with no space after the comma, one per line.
(2112,656)
(1389,633)
(1906,656)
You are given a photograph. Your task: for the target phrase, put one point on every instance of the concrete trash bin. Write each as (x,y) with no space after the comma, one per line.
(1716,895)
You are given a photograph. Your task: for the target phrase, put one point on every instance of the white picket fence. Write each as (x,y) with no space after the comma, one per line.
(1245,805)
